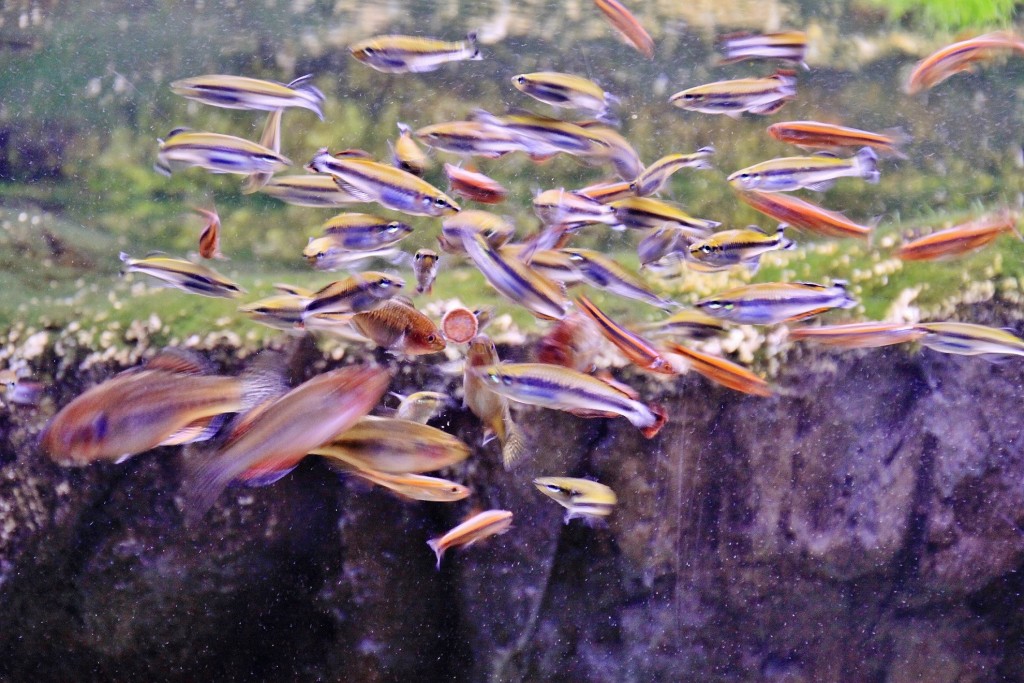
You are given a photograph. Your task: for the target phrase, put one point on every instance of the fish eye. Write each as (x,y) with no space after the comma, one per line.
(441,201)
(385,282)
(554,488)
(714,305)
(394,226)
(690,96)
(368,51)
(706,248)
(521,80)
(431,338)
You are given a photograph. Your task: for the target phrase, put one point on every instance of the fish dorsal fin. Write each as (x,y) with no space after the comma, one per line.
(825,153)
(301,81)
(180,361)
(177,131)
(352,154)
(156,253)
(294,290)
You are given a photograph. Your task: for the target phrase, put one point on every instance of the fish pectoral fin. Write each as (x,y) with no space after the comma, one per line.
(361,195)
(200,430)
(821,186)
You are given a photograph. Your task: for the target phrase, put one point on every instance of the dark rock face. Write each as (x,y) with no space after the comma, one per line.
(863,524)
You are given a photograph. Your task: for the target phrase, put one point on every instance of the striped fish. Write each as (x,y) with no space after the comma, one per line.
(566,90)
(804,215)
(721,371)
(604,273)
(688,324)
(478,527)
(216,153)
(470,138)
(355,232)
(415,486)
(240,92)
(732,98)
(183,275)
(516,281)
(318,191)
(644,213)
(392,188)
(737,247)
(786,46)
(657,174)
(395,54)
(359,292)
(559,388)
(962,56)
(818,172)
(638,350)
(961,239)
(768,303)
(387,444)
(582,498)
(627,26)
(967,339)
(828,136)
(866,335)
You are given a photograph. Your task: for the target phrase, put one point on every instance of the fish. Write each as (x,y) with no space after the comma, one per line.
(160,403)
(216,153)
(240,92)
(962,56)
(354,294)
(638,350)
(470,138)
(961,239)
(515,280)
(608,146)
(280,311)
(607,192)
(818,172)
(477,527)
(183,275)
(209,238)
(542,137)
(318,191)
(604,273)
(643,213)
(421,406)
(661,242)
(654,177)
(396,54)
(733,98)
(387,444)
(355,232)
(828,136)
(572,343)
(768,303)
(416,486)
(392,188)
(721,371)
(729,248)
(397,326)
(474,186)
(566,90)
(285,429)
(627,25)
(559,388)
(492,409)
(553,264)
(565,208)
(786,46)
(968,339)
(804,215)
(864,335)
(22,391)
(407,155)
(582,498)
(425,264)
(271,139)
(688,323)
(495,230)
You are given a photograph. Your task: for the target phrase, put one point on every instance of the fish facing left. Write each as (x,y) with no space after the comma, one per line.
(183,275)
(217,153)
(240,92)
(396,54)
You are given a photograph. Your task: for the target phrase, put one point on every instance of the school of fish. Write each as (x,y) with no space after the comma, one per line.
(255,428)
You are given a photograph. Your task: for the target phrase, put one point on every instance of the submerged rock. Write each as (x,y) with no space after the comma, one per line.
(864,523)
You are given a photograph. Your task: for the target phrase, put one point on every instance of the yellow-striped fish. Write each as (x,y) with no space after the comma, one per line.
(480,526)
(688,324)
(359,292)
(354,232)
(240,92)
(416,486)
(184,275)
(421,406)
(768,303)
(495,230)
(470,138)
(787,46)
(738,247)
(492,409)
(818,172)
(559,388)
(387,444)
(395,54)
(280,311)
(866,335)
(732,98)
(581,498)
(566,90)
(516,281)
(604,273)
(657,174)
(216,153)
(406,154)
(393,188)
(968,339)
(319,191)
(643,213)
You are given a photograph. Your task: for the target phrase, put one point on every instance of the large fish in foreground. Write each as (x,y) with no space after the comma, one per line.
(173,399)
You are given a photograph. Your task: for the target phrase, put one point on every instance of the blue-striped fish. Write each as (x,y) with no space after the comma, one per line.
(470,138)
(397,54)
(393,188)
(818,172)
(240,92)
(581,498)
(354,232)
(356,293)
(643,213)
(732,98)
(216,153)
(604,273)
(768,303)
(787,46)
(729,248)
(968,339)
(551,386)
(184,275)
(319,191)
(657,174)
(566,90)
(515,280)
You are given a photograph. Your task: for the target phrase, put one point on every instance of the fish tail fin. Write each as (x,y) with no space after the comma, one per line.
(162,168)
(473,40)
(205,480)
(514,446)
(867,164)
(435,545)
(312,95)
(254,181)
(660,418)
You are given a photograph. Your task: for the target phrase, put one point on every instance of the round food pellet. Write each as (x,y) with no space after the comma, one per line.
(459,325)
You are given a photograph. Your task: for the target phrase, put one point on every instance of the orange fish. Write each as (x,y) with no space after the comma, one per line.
(866,335)
(474,186)
(804,215)
(623,21)
(397,326)
(961,239)
(477,527)
(958,57)
(721,371)
(829,136)
(209,238)
(634,347)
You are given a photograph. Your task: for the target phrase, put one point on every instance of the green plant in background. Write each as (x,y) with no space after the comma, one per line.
(953,15)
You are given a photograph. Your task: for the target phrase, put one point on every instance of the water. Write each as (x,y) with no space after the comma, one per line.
(863,523)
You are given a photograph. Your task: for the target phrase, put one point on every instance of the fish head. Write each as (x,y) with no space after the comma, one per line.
(744,180)
(481,351)
(438,205)
(716,307)
(424,341)
(83,432)
(555,488)
(397,229)
(386,286)
(700,250)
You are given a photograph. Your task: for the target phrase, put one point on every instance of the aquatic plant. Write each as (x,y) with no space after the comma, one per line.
(952,15)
